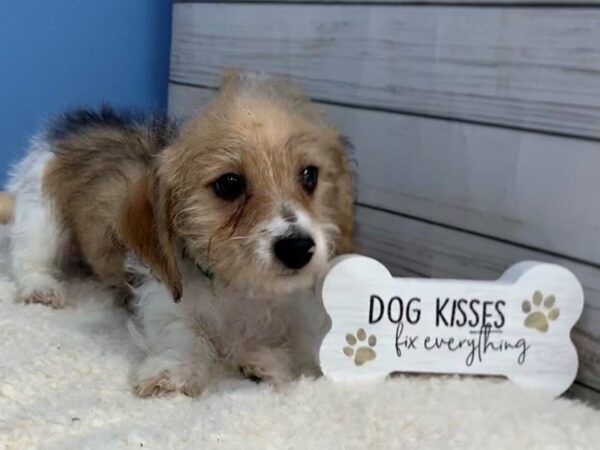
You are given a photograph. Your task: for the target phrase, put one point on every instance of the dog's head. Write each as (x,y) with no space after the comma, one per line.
(255,190)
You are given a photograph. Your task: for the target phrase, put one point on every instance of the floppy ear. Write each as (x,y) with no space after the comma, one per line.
(345,197)
(144,226)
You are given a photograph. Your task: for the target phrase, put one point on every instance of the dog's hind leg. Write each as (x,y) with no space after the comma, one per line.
(35,234)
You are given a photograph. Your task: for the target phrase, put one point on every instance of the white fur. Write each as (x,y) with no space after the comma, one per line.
(35,235)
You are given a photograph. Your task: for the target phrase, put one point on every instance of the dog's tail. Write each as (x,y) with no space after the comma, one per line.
(7,207)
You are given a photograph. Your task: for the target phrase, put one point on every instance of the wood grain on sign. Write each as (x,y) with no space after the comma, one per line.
(531,68)
(503,183)
(517,326)
(413,248)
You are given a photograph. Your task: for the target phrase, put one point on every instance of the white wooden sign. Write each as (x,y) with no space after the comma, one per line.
(517,326)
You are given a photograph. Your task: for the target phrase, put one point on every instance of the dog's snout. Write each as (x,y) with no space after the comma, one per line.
(294,251)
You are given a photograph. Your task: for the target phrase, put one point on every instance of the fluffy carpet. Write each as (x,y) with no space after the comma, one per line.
(64,384)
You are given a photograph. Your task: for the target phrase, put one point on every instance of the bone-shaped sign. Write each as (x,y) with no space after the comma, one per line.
(517,327)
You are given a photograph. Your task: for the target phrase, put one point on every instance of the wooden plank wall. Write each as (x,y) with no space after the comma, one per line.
(476,125)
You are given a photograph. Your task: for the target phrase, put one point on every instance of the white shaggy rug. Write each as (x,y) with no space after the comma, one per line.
(64,385)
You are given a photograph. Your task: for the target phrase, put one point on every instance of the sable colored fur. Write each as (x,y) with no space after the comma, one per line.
(98,158)
(235,215)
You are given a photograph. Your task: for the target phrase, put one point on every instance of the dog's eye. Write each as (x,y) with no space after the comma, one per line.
(229,186)
(308,178)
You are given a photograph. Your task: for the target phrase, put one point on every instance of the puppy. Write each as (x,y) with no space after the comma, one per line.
(212,228)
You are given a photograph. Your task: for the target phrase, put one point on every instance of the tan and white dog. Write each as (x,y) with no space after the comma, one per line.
(208,230)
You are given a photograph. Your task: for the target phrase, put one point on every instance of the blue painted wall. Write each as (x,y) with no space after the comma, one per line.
(56,54)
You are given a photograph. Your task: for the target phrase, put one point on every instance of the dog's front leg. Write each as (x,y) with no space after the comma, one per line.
(179,359)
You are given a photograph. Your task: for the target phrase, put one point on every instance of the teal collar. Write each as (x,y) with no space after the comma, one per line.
(206,271)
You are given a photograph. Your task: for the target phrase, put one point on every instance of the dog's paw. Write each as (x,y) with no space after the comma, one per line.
(158,386)
(190,381)
(51,298)
(271,365)
(164,385)
(43,290)
(259,374)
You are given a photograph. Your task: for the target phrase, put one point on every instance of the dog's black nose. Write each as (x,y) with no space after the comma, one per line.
(294,251)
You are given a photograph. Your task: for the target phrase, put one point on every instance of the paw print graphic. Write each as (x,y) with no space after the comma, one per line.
(543,314)
(364,352)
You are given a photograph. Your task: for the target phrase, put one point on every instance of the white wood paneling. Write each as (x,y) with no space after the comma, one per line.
(410,247)
(533,68)
(524,187)
(187,100)
(412,2)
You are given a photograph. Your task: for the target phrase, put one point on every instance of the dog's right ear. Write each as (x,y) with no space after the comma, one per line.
(145,228)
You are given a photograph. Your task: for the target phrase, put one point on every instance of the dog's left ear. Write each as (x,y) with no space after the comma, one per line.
(345,196)
(144,227)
